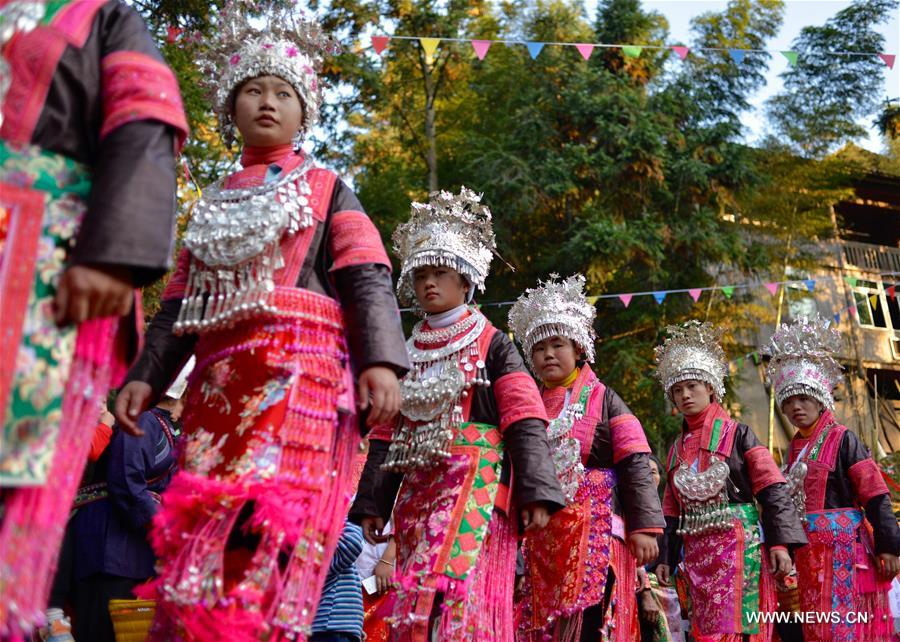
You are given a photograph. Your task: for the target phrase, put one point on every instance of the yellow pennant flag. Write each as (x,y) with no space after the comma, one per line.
(874,300)
(593,300)
(430,46)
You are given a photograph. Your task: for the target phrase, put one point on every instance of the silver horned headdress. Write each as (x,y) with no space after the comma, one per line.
(554,308)
(289,46)
(802,361)
(692,351)
(452,230)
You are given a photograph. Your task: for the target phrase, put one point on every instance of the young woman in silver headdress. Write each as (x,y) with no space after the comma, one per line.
(469,410)
(719,477)
(579,572)
(838,490)
(284,283)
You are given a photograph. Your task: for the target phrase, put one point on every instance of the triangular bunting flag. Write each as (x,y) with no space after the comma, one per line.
(892,291)
(379,43)
(593,300)
(481,48)
(631,51)
(791,57)
(660,297)
(851,280)
(728,290)
(429,45)
(737,55)
(888,59)
(874,301)
(772,288)
(695,294)
(681,51)
(585,50)
(740,362)
(837,317)
(511,337)
(853,312)
(755,357)
(534,48)
(477,306)
(625,298)
(810,284)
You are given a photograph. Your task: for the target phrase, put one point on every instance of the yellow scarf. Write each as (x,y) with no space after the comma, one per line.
(565,383)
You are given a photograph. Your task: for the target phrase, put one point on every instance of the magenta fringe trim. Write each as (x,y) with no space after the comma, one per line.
(302,521)
(35,518)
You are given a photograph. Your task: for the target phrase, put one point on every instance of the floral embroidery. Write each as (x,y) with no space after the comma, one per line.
(200,454)
(213,386)
(264,397)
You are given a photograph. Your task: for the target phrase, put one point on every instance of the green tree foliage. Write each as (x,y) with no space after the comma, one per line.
(628,169)
(828,93)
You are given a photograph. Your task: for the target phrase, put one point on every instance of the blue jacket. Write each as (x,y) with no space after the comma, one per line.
(111,533)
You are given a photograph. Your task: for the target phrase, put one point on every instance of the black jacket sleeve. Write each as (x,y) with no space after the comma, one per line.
(377,490)
(164,353)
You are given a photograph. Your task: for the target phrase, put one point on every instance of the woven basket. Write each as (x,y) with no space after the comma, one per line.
(132,619)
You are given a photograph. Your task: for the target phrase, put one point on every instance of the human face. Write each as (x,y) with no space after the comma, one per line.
(439,288)
(691,396)
(267,111)
(802,410)
(554,358)
(654,473)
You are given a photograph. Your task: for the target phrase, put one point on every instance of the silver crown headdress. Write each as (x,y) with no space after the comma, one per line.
(289,46)
(554,308)
(452,230)
(801,360)
(692,351)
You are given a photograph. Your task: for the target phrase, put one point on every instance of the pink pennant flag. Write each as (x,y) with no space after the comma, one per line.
(888,59)
(481,48)
(585,50)
(772,288)
(379,43)
(681,51)
(695,294)
(625,298)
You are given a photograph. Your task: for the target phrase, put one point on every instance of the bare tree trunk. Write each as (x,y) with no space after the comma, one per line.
(430,135)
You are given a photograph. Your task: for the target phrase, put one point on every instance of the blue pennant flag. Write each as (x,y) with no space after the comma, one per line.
(534,48)
(810,284)
(837,317)
(660,297)
(737,55)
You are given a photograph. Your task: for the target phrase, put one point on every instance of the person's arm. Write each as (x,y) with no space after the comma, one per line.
(130,218)
(781,523)
(349,546)
(129,461)
(361,272)
(871,493)
(523,424)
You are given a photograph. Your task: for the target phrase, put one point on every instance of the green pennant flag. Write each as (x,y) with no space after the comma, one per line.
(593,300)
(740,362)
(851,280)
(755,357)
(631,51)
(728,290)
(791,57)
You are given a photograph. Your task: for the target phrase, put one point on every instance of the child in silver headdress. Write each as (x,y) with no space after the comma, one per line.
(579,571)
(718,473)
(838,491)
(469,410)
(284,283)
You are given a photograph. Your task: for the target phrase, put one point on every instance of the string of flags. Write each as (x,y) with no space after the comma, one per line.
(585,49)
(728,292)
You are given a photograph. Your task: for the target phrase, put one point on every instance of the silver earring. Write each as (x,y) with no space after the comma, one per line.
(228,132)
(297,141)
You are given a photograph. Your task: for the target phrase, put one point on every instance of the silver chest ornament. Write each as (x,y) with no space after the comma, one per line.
(795,476)
(565,449)
(433,391)
(234,237)
(704,498)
